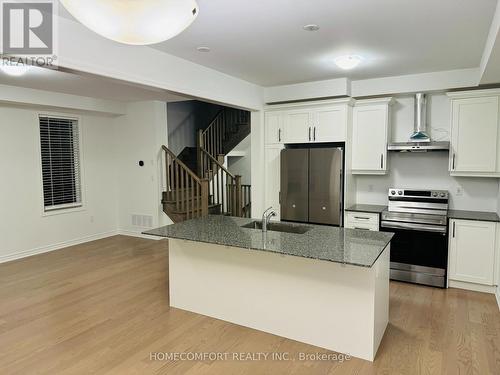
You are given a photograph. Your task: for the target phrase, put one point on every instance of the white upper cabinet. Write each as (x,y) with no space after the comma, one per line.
(370,135)
(318,122)
(298,126)
(329,124)
(474,133)
(274,128)
(472,251)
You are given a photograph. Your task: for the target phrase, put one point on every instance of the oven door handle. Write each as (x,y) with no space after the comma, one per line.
(421,227)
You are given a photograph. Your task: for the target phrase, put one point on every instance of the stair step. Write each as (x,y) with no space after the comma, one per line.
(186,199)
(212,209)
(170,198)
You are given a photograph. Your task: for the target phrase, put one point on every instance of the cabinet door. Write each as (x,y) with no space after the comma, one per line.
(474,135)
(298,127)
(329,124)
(272,178)
(369,148)
(274,127)
(472,251)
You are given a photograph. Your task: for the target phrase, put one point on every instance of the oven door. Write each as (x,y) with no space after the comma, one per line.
(419,252)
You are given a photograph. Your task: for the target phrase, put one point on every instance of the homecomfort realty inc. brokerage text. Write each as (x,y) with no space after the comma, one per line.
(247,356)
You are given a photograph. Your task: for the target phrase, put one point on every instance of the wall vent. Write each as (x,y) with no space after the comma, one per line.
(143,221)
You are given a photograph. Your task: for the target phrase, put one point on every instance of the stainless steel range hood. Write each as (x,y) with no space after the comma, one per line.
(419,141)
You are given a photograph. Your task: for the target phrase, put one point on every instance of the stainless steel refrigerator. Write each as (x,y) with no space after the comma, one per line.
(312,182)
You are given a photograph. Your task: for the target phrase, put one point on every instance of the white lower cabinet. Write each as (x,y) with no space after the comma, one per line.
(272,168)
(472,254)
(362,221)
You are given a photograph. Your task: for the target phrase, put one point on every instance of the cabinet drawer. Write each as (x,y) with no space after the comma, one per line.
(363,220)
(351,225)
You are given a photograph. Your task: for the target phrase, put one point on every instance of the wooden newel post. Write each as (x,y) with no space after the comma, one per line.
(204,197)
(239,207)
(167,173)
(198,151)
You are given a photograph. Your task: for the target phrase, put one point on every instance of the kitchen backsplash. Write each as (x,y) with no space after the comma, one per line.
(429,171)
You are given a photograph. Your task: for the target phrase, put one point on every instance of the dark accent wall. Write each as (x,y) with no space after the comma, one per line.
(184,119)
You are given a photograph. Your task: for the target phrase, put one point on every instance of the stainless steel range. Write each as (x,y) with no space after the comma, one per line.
(419,249)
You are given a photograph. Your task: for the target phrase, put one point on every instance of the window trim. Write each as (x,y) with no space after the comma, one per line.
(72,207)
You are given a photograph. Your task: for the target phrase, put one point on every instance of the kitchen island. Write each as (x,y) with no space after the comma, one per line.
(320,285)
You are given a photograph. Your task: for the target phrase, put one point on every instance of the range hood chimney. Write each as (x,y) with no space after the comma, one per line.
(419,141)
(420,133)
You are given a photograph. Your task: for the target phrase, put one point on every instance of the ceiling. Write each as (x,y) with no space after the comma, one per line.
(87,85)
(262,41)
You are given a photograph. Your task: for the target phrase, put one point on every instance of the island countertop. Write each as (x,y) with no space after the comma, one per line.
(340,245)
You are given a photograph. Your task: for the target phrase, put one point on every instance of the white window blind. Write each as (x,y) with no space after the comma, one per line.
(60,148)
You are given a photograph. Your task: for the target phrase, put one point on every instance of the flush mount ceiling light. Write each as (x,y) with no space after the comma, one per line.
(132,21)
(15,70)
(348,62)
(203,49)
(311,27)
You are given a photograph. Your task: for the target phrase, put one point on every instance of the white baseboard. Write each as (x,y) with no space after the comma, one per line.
(471,286)
(497,295)
(57,246)
(131,233)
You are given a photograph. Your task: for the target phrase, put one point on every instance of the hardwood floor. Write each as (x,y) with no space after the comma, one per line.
(102,308)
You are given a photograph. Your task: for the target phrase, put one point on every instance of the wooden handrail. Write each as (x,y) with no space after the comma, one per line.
(184,166)
(213,120)
(188,193)
(214,160)
(213,137)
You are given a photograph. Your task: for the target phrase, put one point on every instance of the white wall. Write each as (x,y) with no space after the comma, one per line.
(426,170)
(239,161)
(308,90)
(12,95)
(114,185)
(24,230)
(257,167)
(140,135)
(182,125)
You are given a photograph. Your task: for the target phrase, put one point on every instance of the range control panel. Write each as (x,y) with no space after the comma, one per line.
(412,193)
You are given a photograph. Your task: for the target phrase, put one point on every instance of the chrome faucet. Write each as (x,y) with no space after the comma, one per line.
(266,216)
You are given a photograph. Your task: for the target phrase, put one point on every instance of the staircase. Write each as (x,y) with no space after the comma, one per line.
(197,183)
(189,156)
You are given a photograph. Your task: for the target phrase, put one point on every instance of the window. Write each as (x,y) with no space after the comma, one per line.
(60,149)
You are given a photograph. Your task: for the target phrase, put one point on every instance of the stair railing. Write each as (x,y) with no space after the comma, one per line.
(219,130)
(189,192)
(224,187)
(244,207)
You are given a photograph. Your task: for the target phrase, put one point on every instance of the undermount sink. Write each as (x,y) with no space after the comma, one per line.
(278,227)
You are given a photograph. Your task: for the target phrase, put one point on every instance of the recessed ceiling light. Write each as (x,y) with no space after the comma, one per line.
(348,62)
(311,27)
(203,49)
(16,70)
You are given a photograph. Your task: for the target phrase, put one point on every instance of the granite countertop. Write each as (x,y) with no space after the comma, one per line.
(473,215)
(372,208)
(347,246)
